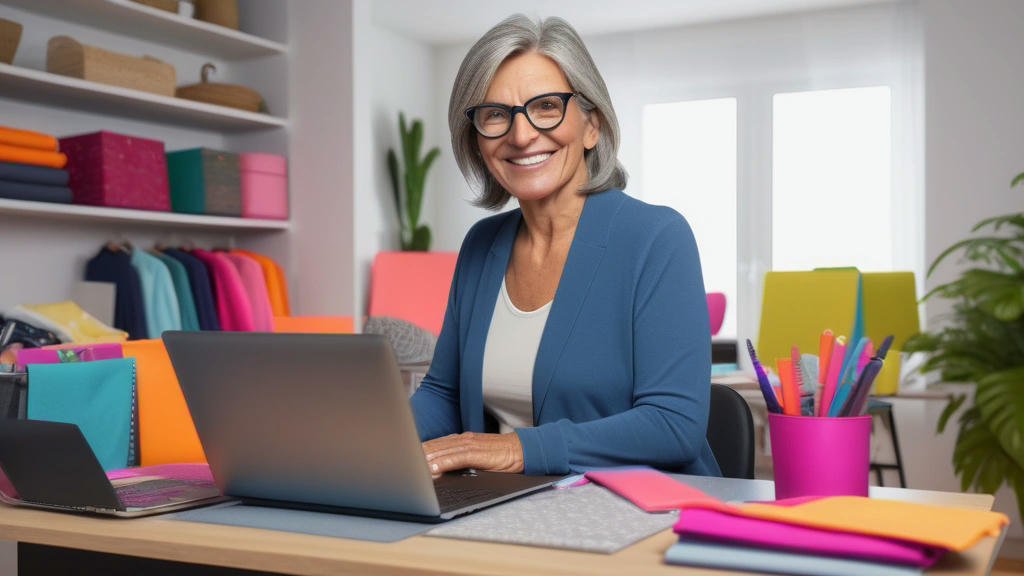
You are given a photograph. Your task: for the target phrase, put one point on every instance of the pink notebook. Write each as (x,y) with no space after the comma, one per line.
(188,471)
(726,528)
(654,491)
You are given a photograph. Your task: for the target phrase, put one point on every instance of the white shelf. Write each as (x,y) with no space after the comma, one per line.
(155,25)
(64,91)
(105,214)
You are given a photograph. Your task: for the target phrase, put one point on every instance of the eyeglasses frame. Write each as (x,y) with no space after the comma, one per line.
(513,110)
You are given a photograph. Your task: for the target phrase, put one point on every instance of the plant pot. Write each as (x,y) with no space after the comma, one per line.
(10,35)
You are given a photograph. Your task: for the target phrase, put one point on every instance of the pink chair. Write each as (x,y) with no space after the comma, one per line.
(716,310)
(412,286)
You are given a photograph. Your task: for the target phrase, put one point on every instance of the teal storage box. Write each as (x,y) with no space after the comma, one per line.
(204,181)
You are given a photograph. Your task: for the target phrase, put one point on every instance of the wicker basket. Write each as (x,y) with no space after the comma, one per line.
(233,95)
(10,35)
(219,12)
(66,56)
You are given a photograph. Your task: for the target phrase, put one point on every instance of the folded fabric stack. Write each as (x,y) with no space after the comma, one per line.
(829,536)
(31,168)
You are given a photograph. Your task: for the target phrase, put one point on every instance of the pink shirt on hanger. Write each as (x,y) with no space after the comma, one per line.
(256,287)
(233,305)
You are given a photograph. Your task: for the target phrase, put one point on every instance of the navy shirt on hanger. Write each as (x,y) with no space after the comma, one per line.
(116,266)
(202,290)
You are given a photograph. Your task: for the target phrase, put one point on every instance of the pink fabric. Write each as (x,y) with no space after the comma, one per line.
(716,310)
(412,286)
(190,471)
(50,355)
(256,287)
(653,491)
(729,529)
(233,306)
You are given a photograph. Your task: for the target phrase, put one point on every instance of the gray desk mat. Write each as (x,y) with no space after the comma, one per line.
(588,518)
(304,521)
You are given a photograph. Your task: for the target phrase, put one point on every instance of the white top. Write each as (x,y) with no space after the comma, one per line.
(509,354)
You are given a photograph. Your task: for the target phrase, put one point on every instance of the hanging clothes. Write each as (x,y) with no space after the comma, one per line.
(256,287)
(201,287)
(233,306)
(182,289)
(277,283)
(158,295)
(115,266)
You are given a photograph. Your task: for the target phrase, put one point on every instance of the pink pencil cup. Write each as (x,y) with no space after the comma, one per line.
(820,456)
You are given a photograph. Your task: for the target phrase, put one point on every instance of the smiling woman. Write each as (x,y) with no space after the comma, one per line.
(577,325)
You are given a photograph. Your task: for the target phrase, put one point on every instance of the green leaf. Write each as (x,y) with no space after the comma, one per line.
(954,404)
(1017,180)
(421,239)
(1000,401)
(417,141)
(397,191)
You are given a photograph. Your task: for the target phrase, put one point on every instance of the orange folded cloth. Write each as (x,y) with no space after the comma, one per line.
(20,155)
(313,324)
(953,528)
(166,432)
(26,139)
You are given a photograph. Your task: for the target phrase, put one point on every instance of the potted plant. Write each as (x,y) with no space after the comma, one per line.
(413,235)
(983,344)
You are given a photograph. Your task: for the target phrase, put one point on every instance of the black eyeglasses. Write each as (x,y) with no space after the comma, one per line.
(544,112)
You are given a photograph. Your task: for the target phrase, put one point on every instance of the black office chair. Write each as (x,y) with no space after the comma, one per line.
(731,432)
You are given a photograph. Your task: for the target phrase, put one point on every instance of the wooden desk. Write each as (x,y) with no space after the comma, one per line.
(292,553)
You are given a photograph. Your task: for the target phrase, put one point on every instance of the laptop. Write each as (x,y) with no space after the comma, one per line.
(321,422)
(50,465)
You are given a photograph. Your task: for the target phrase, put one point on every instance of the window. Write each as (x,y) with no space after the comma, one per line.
(689,163)
(831,179)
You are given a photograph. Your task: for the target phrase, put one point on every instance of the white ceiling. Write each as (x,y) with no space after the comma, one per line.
(455,21)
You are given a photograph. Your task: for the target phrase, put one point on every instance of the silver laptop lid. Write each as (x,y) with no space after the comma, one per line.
(308,418)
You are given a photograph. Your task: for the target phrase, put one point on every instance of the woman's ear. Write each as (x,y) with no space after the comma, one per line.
(592,129)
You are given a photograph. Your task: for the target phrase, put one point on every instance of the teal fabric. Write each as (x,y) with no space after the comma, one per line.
(97,396)
(159,297)
(182,287)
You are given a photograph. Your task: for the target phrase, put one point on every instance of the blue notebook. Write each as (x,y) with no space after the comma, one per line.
(714,555)
(97,396)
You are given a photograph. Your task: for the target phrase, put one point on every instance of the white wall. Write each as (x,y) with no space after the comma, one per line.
(400,73)
(321,157)
(974,54)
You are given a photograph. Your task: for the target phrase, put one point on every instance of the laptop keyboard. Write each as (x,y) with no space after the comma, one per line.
(455,497)
(164,491)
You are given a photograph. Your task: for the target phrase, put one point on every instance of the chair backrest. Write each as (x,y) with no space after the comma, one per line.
(412,286)
(731,432)
(716,310)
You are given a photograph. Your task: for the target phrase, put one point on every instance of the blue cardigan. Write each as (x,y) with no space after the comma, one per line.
(623,371)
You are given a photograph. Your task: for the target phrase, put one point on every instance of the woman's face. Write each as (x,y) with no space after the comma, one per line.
(531,164)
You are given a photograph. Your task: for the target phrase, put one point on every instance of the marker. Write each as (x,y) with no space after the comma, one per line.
(835,364)
(790,388)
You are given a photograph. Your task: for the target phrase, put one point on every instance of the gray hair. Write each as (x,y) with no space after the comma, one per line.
(556,39)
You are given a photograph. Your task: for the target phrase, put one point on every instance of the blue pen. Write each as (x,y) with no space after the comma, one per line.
(849,375)
(854,406)
(762,380)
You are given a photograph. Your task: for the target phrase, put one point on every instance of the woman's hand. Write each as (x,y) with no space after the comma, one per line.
(494,452)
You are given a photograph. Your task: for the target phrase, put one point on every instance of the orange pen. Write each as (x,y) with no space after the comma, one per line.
(824,355)
(790,393)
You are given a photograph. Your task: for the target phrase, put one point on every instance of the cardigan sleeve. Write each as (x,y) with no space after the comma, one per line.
(435,404)
(667,424)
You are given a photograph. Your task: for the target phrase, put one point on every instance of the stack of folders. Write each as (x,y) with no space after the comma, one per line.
(31,167)
(830,536)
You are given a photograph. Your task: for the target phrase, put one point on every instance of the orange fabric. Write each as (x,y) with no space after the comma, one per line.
(412,286)
(954,528)
(313,324)
(26,139)
(166,432)
(277,282)
(19,155)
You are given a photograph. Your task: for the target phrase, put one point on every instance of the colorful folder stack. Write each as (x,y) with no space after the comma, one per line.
(31,168)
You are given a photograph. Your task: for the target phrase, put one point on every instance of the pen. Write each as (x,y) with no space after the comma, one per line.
(858,399)
(865,357)
(790,388)
(762,381)
(835,364)
(849,375)
(824,355)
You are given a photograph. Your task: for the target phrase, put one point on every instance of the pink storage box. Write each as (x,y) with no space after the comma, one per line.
(108,169)
(264,185)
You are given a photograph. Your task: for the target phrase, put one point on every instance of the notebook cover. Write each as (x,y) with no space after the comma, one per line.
(653,491)
(730,529)
(713,555)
